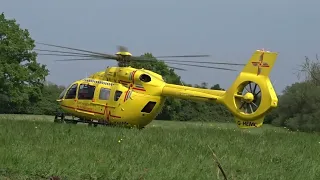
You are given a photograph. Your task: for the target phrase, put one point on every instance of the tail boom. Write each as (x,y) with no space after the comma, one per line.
(192,93)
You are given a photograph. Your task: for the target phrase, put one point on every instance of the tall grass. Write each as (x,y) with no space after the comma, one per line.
(163,150)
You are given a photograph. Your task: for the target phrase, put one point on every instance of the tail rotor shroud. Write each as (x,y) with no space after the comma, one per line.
(250,98)
(252,95)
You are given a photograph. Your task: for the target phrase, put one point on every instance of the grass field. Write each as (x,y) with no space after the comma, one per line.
(34,147)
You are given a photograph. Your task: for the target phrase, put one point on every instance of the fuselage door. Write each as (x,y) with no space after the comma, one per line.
(114,101)
(85,98)
(102,100)
(116,95)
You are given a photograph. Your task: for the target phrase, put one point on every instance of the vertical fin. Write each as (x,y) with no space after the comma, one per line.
(261,63)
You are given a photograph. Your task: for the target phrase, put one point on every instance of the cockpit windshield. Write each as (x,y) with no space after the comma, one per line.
(63,92)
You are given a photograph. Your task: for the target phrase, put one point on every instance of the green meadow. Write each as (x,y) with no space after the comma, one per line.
(33,147)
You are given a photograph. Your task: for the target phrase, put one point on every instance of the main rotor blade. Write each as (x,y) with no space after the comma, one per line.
(63,52)
(204,66)
(81,50)
(73,55)
(125,49)
(205,62)
(177,68)
(109,56)
(83,59)
(122,49)
(183,56)
(102,56)
(96,57)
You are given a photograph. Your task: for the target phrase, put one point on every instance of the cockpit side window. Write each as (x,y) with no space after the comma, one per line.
(117,95)
(86,91)
(71,93)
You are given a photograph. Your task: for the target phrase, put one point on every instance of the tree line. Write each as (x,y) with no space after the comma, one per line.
(24,90)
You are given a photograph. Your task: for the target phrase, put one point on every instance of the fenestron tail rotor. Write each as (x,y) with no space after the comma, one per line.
(248,98)
(123,56)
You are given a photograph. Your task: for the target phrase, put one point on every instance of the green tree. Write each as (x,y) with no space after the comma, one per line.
(48,104)
(203,111)
(299,105)
(310,71)
(216,87)
(21,77)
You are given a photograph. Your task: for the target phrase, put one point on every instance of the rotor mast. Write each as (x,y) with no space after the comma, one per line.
(123,57)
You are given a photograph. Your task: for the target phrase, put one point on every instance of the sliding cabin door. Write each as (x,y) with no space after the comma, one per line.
(105,102)
(102,97)
(86,94)
(114,103)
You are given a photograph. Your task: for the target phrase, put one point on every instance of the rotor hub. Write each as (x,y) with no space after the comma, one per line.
(123,58)
(248,97)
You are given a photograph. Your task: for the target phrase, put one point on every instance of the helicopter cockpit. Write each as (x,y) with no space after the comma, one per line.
(87,92)
(71,93)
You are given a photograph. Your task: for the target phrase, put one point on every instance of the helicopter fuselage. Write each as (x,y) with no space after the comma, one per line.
(125,103)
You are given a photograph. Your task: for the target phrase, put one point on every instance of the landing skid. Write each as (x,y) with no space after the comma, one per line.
(89,122)
(61,118)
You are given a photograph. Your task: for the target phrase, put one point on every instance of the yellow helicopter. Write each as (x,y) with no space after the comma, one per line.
(133,97)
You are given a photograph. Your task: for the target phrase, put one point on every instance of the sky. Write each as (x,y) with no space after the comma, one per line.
(228,30)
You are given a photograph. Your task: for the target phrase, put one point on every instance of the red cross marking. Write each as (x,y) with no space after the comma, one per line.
(260,64)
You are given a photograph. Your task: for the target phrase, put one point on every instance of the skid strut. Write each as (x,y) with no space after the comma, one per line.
(61,118)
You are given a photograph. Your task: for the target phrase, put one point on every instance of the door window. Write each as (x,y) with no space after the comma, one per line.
(117,95)
(71,94)
(86,91)
(104,94)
